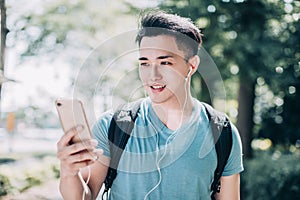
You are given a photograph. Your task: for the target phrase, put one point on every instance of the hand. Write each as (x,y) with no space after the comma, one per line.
(77,155)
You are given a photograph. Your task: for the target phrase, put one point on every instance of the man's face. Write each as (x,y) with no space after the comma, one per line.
(163,69)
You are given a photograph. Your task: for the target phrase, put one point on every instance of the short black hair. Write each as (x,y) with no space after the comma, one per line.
(188,37)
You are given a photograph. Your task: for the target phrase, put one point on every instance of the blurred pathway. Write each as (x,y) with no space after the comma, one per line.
(47,191)
(33,141)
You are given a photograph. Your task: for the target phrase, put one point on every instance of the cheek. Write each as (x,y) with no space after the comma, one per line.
(143,74)
(174,75)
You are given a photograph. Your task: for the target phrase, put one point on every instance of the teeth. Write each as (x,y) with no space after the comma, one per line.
(157,87)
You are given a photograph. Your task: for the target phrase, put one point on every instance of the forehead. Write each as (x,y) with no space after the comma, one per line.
(158,45)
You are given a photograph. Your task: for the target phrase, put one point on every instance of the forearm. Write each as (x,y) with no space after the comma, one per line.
(73,158)
(71,188)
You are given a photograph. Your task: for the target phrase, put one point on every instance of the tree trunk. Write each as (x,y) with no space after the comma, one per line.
(3,42)
(245,113)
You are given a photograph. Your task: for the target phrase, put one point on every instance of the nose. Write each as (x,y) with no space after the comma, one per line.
(155,72)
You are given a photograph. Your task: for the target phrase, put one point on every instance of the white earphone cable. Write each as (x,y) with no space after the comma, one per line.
(85,183)
(165,150)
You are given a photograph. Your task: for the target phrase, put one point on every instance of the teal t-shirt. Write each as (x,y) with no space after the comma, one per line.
(159,163)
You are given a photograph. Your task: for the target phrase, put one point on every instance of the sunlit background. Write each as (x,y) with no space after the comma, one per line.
(254,44)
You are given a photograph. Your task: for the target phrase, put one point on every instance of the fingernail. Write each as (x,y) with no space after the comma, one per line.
(93,142)
(79,127)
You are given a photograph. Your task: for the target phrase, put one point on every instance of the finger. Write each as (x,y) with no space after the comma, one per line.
(97,154)
(78,128)
(75,167)
(65,152)
(101,158)
(83,156)
(84,145)
(67,137)
(83,164)
(72,165)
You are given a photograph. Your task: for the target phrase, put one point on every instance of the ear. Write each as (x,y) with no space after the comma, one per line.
(194,63)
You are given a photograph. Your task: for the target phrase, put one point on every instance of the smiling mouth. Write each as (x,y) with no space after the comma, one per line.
(158,87)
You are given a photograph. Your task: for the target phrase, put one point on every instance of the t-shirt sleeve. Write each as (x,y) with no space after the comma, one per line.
(100,132)
(234,163)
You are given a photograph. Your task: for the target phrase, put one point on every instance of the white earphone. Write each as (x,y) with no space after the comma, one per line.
(188,74)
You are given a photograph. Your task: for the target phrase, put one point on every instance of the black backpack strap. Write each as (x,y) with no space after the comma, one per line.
(119,132)
(222,134)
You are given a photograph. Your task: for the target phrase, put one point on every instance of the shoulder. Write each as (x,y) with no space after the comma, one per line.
(235,132)
(235,161)
(103,122)
(236,140)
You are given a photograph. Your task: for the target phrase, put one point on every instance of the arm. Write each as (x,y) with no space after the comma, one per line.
(230,188)
(230,180)
(98,175)
(76,157)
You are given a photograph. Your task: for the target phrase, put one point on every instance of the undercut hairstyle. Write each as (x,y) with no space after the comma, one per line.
(187,36)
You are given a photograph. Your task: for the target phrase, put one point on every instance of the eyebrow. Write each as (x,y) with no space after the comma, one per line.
(158,58)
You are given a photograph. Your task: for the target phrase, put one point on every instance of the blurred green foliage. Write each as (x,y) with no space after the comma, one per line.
(28,170)
(271,175)
(30,181)
(56,171)
(280,122)
(5,185)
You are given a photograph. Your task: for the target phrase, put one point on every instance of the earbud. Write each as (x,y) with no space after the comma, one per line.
(188,74)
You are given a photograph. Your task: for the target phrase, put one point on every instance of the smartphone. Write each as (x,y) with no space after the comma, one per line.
(71,114)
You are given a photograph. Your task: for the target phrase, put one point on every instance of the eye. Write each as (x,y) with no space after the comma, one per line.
(166,63)
(145,64)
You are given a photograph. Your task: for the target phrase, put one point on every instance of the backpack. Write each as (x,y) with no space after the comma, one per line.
(122,124)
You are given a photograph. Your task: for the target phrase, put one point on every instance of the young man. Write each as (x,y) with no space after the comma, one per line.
(170,154)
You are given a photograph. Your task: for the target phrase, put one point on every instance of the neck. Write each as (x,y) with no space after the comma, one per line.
(174,113)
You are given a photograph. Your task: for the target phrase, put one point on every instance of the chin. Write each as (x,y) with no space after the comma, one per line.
(158,100)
